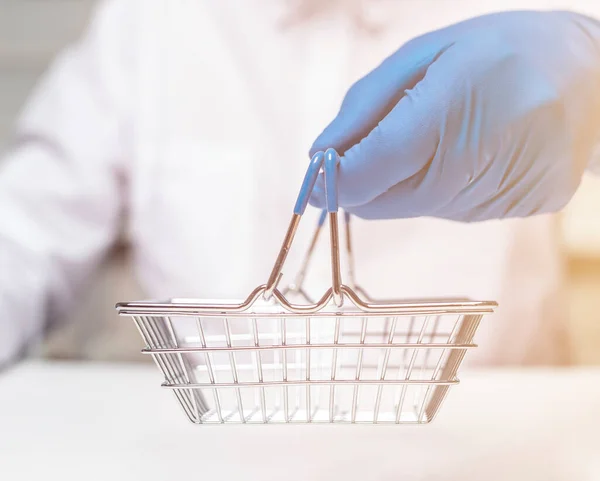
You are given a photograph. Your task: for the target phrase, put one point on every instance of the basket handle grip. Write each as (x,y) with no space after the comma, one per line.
(308,184)
(332,160)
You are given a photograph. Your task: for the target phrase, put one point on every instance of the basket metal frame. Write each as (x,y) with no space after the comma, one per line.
(340,304)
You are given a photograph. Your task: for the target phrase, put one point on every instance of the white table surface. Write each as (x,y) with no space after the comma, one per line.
(113,422)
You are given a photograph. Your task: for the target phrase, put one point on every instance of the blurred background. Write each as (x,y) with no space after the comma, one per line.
(33,31)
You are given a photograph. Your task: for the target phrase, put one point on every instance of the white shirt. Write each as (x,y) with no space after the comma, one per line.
(188,122)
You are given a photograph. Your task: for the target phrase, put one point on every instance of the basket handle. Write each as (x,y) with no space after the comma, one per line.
(332,160)
(329,160)
(308,184)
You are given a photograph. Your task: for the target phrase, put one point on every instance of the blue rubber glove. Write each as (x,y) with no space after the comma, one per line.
(493,117)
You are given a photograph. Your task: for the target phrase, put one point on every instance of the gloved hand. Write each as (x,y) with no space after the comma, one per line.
(493,117)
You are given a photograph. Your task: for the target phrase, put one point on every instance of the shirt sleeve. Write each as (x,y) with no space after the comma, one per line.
(63,179)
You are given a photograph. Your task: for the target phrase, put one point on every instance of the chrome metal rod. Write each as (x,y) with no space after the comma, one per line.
(349,252)
(286,405)
(276,273)
(336,275)
(425,364)
(315,382)
(324,421)
(234,372)
(259,370)
(307,364)
(359,367)
(165,364)
(185,371)
(378,345)
(384,366)
(209,368)
(299,280)
(336,338)
(145,332)
(410,369)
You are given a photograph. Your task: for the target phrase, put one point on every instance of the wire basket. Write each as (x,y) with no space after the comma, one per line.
(342,359)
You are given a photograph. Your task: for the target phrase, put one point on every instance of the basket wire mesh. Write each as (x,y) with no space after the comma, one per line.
(342,359)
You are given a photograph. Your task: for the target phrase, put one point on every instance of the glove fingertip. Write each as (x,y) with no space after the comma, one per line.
(341,134)
(325,140)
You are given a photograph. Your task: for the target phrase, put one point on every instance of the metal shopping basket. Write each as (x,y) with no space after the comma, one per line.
(342,359)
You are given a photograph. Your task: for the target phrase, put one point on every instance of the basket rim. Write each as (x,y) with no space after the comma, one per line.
(255,307)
